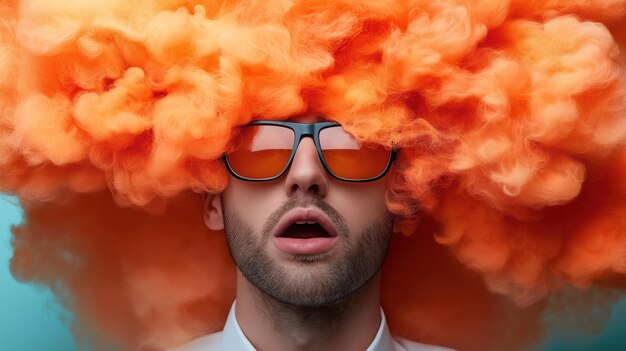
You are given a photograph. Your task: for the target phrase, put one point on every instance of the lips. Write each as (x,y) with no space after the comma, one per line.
(305,231)
(302,216)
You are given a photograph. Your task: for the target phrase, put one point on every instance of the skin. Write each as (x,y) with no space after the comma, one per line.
(309,305)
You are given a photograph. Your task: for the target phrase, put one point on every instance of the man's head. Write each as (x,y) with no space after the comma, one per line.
(508,118)
(348,230)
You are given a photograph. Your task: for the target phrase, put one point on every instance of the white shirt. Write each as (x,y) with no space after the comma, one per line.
(232,338)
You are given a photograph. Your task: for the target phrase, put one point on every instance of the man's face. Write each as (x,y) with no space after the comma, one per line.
(329,268)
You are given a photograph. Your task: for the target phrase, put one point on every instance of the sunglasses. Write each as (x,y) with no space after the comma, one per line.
(264,150)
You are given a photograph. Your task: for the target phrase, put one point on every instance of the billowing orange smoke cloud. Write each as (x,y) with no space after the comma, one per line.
(510,117)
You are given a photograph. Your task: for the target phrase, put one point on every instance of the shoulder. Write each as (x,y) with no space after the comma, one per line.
(203,343)
(402,344)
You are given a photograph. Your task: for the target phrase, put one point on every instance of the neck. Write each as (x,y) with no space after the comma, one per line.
(347,324)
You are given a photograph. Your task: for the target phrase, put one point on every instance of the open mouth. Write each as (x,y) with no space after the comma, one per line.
(305,231)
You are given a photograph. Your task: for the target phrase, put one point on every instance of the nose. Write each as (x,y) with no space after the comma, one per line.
(306,174)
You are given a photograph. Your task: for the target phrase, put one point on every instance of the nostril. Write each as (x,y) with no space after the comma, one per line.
(313,188)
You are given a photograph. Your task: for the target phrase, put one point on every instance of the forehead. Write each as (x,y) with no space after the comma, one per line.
(308,118)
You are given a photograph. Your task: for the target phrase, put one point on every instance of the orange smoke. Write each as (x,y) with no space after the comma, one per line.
(510,117)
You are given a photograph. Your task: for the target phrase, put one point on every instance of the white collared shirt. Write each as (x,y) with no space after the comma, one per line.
(232,338)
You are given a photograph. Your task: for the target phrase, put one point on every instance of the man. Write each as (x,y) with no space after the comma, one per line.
(308,246)
(507,118)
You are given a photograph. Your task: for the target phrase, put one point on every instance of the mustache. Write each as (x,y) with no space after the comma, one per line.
(333,214)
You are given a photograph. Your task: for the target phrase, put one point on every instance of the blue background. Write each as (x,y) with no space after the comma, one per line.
(30,318)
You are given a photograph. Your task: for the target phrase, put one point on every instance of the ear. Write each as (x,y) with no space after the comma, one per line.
(212,211)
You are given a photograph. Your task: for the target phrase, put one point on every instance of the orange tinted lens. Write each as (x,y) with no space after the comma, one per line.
(348,158)
(261,151)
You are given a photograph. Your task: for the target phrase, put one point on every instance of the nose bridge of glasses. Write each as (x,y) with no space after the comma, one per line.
(310,148)
(307,130)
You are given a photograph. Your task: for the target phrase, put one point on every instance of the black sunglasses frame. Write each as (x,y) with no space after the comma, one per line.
(302,130)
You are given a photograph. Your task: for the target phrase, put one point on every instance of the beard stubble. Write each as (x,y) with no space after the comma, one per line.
(315,282)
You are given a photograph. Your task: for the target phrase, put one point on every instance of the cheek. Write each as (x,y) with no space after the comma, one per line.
(359,204)
(253,202)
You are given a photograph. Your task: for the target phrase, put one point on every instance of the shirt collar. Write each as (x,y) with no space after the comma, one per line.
(233,337)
